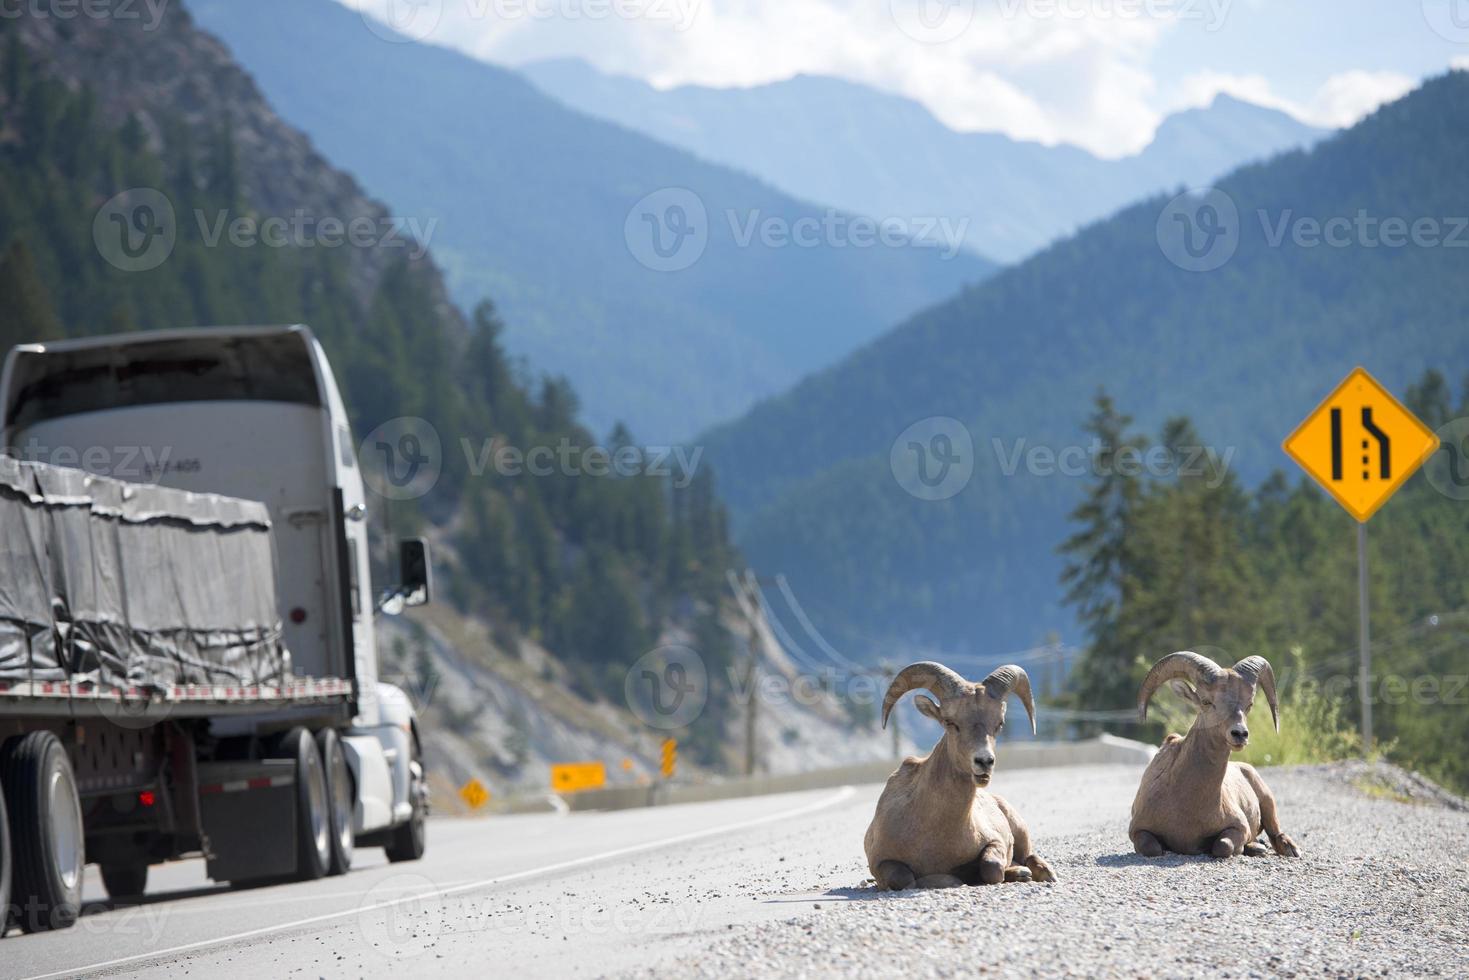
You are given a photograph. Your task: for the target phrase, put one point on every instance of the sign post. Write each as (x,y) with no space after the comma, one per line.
(1361,444)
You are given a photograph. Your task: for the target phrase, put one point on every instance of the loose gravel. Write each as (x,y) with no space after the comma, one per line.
(1382,889)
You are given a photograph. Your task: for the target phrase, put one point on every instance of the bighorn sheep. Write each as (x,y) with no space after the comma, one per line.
(1192,799)
(935,826)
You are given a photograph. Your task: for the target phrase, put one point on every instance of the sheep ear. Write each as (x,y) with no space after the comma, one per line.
(927,707)
(1182,689)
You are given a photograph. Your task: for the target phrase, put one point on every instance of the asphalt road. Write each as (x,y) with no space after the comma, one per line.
(776,885)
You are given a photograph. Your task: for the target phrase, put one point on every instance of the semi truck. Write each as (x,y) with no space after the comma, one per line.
(188,659)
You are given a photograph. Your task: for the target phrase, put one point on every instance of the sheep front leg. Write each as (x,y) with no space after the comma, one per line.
(1269,817)
(1028,866)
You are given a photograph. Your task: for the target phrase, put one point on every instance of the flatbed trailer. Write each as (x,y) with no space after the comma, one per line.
(163,693)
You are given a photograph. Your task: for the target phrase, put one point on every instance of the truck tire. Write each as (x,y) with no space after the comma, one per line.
(4,869)
(48,840)
(125,881)
(341,799)
(407,841)
(313,821)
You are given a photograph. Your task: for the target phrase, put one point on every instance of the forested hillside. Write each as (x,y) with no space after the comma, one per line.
(1198,561)
(595,568)
(1244,349)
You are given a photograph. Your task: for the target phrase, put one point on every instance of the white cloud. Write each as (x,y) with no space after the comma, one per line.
(1097,73)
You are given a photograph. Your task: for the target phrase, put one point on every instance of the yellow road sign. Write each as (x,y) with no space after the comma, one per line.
(474,794)
(572,777)
(670,758)
(1361,444)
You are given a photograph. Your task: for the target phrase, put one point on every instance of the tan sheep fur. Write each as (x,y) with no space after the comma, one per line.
(935,825)
(1192,799)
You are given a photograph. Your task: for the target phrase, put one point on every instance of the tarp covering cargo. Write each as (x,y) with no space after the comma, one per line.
(132,585)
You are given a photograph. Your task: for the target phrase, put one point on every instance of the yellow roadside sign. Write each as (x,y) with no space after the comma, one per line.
(474,794)
(572,777)
(1360,444)
(669,761)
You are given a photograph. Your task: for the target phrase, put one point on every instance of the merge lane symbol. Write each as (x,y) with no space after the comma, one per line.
(1361,412)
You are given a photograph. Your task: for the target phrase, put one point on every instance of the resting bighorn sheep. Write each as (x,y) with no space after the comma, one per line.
(1192,799)
(934,826)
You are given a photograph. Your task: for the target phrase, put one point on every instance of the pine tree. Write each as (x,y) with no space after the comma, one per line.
(26,314)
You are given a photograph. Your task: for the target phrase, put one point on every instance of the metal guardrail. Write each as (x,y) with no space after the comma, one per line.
(1104,750)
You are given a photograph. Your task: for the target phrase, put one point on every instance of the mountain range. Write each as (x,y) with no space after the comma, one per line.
(875,153)
(1241,310)
(552,214)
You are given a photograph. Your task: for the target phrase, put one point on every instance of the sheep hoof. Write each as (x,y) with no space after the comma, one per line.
(1285,847)
(894,876)
(1223,848)
(1255,849)
(1039,870)
(1147,845)
(1017,873)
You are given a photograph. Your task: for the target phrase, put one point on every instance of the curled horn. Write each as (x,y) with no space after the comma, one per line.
(1185,664)
(928,675)
(1011,679)
(1258,669)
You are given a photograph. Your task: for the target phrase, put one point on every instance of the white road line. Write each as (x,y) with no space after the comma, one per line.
(840,796)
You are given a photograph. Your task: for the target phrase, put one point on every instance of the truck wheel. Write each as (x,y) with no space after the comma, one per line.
(313,824)
(124,881)
(4,869)
(46,827)
(341,800)
(407,842)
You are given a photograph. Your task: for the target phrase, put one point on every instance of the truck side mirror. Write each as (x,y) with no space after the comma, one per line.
(415,572)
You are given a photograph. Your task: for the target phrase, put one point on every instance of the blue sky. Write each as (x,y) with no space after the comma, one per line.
(1098,73)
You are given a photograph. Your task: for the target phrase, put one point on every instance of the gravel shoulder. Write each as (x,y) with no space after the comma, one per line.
(1382,889)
